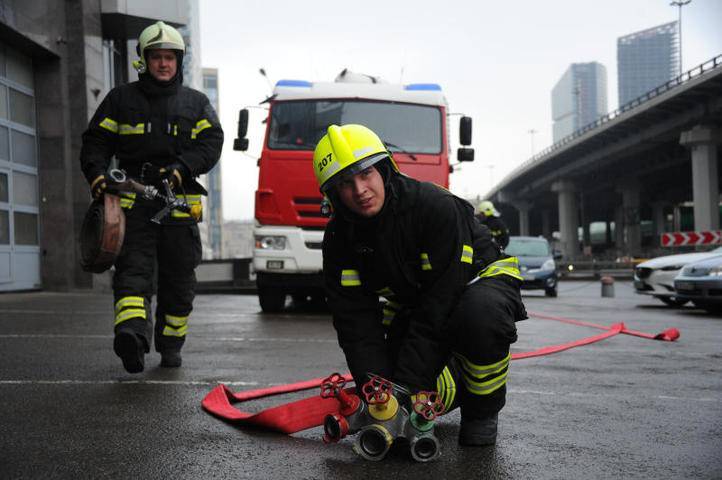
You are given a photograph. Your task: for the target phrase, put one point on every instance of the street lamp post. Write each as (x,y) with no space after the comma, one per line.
(679,4)
(531,133)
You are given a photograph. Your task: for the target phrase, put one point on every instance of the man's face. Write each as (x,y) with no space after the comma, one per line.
(363,193)
(162,64)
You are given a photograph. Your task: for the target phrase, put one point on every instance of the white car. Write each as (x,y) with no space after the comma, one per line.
(656,277)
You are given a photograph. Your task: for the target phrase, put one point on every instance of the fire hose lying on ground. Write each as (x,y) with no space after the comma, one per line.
(389,414)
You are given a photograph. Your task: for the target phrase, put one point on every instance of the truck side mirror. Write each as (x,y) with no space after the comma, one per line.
(241,143)
(465,131)
(465,154)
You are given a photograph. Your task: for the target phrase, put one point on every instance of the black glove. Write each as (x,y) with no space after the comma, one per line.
(98,186)
(154,175)
(172,173)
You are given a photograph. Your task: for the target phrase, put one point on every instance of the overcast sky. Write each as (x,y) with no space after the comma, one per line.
(496,62)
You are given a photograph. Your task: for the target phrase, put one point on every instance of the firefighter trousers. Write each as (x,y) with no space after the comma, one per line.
(480,332)
(163,256)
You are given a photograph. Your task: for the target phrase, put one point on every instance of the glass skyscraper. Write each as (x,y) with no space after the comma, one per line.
(578,98)
(646,60)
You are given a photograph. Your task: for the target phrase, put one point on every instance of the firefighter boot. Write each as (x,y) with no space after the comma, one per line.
(131,348)
(478,432)
(170,358)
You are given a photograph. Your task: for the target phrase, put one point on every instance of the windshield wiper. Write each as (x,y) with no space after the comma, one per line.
(401,150)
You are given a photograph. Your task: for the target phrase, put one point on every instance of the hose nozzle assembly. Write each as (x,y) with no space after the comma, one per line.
(383,418)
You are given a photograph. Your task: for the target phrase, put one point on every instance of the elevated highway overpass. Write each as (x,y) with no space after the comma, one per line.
(629,176)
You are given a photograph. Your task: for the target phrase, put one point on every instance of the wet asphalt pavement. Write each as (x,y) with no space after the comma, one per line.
(625,407)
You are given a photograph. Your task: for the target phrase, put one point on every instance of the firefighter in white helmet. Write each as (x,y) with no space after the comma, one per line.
(451,297)
(157,129)
(489,216)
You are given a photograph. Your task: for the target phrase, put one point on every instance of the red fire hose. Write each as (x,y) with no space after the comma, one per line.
(310,412)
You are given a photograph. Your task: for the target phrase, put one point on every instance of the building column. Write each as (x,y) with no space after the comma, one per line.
(702,141)
(523,209)
(568,218)
(631,226)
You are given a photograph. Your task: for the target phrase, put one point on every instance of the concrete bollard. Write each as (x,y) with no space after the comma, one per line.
(607,286)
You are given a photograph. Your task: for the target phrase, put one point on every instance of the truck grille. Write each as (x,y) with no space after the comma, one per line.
(307,207)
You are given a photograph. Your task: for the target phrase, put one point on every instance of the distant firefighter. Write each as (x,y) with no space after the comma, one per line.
(489,216)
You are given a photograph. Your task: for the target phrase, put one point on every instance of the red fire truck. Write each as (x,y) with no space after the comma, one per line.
(413,122)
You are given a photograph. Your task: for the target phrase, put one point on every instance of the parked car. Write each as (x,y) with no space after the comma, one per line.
(701,282)
(536,262)
(656,277)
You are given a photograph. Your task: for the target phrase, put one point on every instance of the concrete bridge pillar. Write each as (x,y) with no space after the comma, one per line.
(547,224)
(523,209)
(619,229)
(658,217)
(631,226)
(702,141)
(568,218)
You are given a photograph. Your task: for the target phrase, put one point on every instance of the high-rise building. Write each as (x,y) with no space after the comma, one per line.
(578,98)
(646,60)
(214,201)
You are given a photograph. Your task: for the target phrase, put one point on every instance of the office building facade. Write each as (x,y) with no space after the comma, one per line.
(646,60)
(214,218)
(578,98)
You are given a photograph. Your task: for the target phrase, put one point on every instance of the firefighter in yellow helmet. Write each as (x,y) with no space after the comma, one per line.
(157,129)
(489,216)
(450,296)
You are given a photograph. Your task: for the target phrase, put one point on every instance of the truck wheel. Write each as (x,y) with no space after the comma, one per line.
(272,301)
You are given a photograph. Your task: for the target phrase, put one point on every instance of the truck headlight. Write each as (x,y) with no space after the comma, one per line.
(270,242)
(549,265)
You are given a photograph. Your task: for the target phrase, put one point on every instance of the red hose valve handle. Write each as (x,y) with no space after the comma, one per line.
(377,391)
(332,387)
(428,405)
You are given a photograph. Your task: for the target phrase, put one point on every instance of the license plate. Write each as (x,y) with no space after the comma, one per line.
(274,264)
(529,277)
(684,286)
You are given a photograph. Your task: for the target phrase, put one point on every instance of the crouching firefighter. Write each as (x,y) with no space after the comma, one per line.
(451,297)
(162,133)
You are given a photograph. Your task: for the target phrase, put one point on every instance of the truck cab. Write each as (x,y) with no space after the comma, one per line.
(412,120)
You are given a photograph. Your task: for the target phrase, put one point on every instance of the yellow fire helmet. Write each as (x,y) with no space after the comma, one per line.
(346,150)
(157,36)
(487,209)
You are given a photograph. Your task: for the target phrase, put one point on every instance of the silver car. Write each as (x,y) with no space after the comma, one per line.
(656,277)
(701,282)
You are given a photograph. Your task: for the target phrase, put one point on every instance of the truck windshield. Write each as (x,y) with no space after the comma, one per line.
(299,125)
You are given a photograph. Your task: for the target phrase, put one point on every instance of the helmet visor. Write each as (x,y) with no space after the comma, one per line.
(353,169)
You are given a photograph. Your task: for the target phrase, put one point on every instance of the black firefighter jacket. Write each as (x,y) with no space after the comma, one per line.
(498,228)
(140,122)
(417,253)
